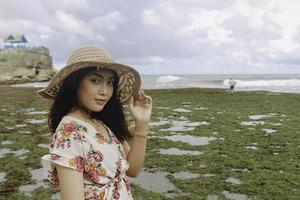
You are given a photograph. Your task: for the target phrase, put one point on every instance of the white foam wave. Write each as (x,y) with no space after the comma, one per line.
(34,84)
(266,83)
(167,79)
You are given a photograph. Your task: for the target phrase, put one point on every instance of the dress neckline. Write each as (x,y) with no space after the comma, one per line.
(108,130)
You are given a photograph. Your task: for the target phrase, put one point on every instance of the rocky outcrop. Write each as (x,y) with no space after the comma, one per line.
(25,65)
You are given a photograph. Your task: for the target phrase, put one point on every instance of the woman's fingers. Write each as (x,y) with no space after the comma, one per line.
(148,99)
(130,103)
(142,98)
(145,98)
(140,95)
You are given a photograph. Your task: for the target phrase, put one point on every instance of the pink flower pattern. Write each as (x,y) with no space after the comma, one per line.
(78,162)
(91,163)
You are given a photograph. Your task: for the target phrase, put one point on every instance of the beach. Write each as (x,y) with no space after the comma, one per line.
(285,83)
(203,144)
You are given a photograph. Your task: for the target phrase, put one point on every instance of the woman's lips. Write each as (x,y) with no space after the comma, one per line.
(100,102)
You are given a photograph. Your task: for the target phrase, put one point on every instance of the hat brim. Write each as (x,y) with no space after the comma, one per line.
(129,79)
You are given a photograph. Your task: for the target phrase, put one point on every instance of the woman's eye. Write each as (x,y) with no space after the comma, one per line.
(95,81)
(111,82)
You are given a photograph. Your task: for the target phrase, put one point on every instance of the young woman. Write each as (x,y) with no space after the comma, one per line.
(92,150)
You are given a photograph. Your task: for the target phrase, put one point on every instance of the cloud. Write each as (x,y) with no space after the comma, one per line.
(242,29)
(184,36)
(43,36)
(150,17)
(72,25)
(23,26)
(66,5)
(156,59)
(19,9)
(109,21)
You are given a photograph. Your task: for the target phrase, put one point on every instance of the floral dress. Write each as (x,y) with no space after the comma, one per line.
(78,145)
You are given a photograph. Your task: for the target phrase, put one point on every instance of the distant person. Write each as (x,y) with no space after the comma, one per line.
(232,84)
(36,69)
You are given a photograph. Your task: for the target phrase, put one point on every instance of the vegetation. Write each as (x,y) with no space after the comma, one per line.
(262,152)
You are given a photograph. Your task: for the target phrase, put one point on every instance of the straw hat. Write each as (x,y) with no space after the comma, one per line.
(88,56)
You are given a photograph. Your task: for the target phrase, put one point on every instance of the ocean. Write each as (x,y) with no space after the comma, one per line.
(289,83)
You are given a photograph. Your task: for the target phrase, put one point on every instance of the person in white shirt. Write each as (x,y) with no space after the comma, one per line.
(232,83)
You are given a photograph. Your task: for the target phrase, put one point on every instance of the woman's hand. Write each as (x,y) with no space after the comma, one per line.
(141,107)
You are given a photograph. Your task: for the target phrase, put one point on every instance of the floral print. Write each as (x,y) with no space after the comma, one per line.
(78,145)
(100,138)
(77,162)
(94,169)
(68,131)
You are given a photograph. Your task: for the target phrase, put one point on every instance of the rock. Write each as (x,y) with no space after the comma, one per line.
(25,65)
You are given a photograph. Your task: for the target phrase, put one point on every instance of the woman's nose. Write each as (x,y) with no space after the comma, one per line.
(103,89)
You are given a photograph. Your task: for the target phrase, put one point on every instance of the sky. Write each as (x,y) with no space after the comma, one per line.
(166,36)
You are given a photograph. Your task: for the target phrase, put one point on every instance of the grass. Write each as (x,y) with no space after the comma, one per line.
(273,168)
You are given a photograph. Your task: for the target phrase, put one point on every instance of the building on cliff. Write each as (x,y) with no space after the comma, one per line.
(22,64)
(14,41)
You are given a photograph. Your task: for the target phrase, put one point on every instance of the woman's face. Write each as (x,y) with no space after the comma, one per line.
(96,89)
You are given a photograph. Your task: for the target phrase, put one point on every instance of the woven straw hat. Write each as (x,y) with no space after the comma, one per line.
(88,56)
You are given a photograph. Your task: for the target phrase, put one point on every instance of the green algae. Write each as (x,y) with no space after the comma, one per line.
(272,171)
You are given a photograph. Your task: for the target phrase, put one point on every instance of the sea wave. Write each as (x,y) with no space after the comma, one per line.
(34,85)
(265,83)
(168,79)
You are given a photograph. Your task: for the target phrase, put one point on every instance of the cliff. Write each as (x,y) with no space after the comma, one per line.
(25,65)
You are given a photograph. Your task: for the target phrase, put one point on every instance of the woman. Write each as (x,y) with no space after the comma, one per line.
(92,150)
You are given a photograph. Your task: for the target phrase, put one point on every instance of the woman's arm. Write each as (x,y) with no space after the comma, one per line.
(70,183)
(137,150)
(126,147)
(140,109)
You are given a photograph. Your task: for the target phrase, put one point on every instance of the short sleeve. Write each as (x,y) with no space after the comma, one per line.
(67,148)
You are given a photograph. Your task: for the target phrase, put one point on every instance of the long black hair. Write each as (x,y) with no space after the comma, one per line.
(112,114)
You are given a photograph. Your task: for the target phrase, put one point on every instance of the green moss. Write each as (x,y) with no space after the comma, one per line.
(273,169)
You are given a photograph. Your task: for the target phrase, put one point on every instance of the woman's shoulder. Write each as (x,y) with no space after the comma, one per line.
(71,124)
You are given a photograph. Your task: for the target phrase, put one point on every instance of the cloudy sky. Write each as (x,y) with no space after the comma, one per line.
(166,36)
